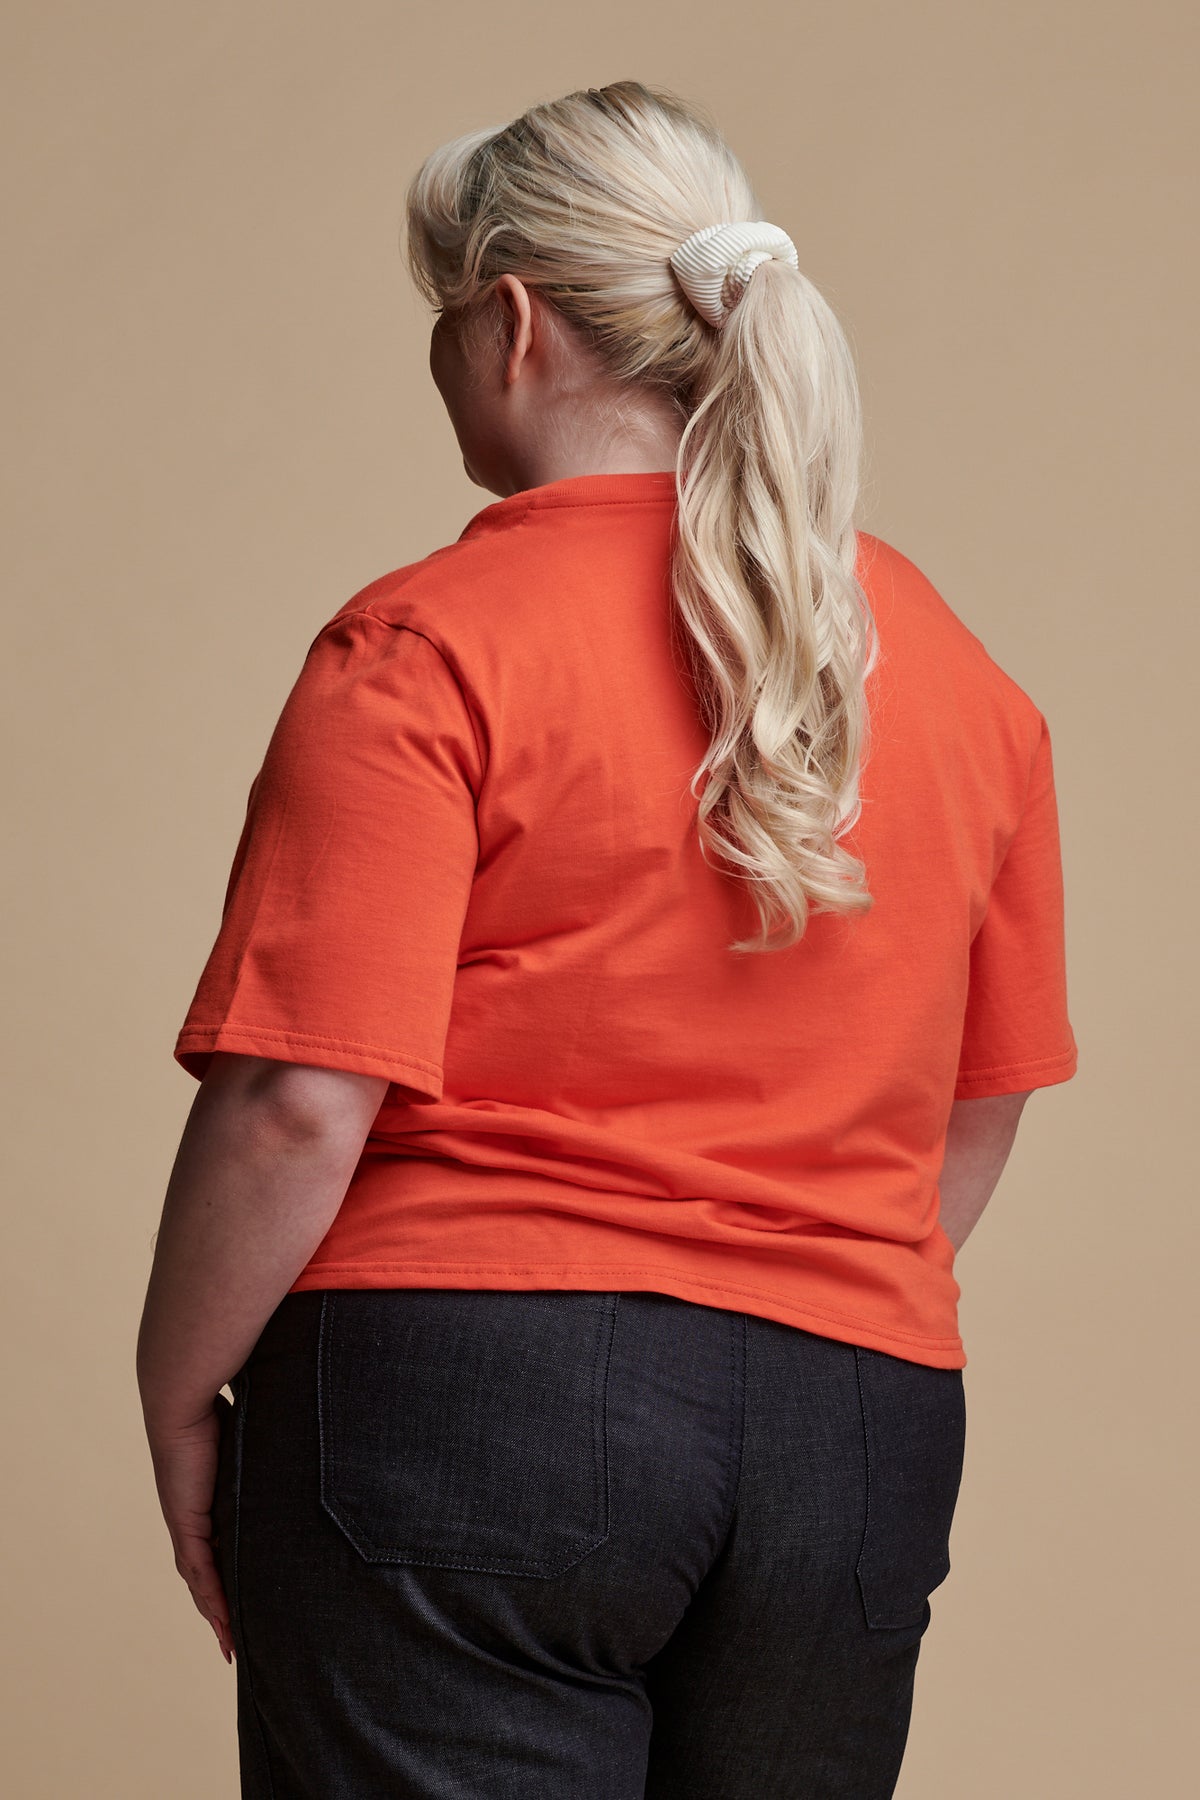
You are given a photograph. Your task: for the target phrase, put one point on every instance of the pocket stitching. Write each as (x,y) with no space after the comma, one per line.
(532,1566)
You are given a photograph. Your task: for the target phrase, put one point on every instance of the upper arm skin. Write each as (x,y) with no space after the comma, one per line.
(979,1138)
(981,1129)
(308,1101)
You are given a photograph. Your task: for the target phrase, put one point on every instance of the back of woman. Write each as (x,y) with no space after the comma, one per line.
(668,883)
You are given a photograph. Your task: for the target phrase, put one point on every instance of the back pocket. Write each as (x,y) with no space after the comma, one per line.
(466,1428)
(914,1426)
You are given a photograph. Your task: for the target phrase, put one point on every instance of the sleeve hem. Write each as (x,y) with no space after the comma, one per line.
(195,1045)
(1017,1077)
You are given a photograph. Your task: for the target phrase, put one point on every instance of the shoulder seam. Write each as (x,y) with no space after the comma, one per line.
(365,612)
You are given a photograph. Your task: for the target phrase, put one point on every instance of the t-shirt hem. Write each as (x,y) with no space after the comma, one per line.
(1015,1077)
(937,1352)
(195,1045)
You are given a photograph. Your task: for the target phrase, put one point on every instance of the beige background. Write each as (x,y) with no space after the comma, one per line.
(222,426)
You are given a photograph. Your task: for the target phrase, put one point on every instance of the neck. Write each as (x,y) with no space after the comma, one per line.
(651,444)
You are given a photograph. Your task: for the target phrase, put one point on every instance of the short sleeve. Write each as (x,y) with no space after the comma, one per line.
(340,932)
(1016,1032)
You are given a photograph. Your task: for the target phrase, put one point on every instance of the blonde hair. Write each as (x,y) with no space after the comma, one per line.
(584,198)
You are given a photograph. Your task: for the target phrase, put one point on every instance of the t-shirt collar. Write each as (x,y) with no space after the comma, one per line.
(576,490)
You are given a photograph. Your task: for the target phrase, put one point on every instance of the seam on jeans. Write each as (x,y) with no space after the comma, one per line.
(612,1334)
(866,1530)
(322,1330)
(737,1421)
(237,1580)
(740,1379)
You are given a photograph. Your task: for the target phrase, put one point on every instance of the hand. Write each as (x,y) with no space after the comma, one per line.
(185,1472)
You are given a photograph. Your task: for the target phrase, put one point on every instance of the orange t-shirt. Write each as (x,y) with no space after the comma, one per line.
(470,864)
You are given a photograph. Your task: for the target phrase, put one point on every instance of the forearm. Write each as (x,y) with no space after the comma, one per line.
(252,1192)
(978,1141)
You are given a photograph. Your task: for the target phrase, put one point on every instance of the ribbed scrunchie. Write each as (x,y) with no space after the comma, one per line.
(716,262)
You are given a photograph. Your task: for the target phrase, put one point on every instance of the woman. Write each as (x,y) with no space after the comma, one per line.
(645,932)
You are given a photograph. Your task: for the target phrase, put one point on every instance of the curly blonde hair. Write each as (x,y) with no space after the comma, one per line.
(584,198)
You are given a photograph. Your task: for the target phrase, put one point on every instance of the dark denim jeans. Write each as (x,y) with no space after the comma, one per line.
(577,1546)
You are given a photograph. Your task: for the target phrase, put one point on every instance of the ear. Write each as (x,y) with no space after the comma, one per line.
(517,312)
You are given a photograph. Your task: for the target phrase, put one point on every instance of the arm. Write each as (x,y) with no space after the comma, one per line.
(978,1141)
(367,792)
(262,1168)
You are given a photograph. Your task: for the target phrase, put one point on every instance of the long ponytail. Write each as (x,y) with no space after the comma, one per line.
(585,198)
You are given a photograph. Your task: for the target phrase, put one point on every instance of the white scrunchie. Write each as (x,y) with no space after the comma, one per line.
(715,263)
